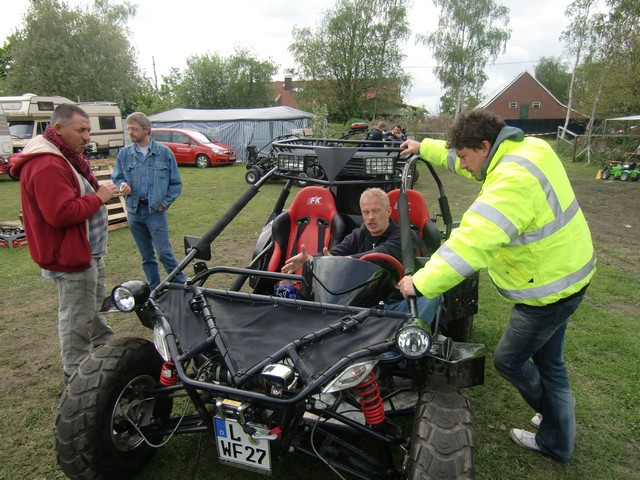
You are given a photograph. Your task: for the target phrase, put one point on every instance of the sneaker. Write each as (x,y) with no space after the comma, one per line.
(525,439)
(536,420)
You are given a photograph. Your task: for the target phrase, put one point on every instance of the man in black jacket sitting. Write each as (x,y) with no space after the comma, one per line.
(378,233)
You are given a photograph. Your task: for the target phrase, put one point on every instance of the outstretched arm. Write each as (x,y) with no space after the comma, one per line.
(295,263)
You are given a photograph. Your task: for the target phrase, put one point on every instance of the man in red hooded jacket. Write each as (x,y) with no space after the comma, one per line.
(65,221)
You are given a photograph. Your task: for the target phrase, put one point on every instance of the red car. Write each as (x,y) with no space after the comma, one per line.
(192,147)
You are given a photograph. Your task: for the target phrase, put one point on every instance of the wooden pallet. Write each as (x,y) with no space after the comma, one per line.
(116,206)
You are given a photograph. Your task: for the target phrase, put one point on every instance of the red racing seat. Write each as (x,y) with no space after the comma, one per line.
(312,220)
(420,220)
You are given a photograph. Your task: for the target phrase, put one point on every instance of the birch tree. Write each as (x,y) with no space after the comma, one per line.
(469,36)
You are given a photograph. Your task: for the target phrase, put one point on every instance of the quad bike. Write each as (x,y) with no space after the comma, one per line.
(626,172)
(261,161)
(278,364)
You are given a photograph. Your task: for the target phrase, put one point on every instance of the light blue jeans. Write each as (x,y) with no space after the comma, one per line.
(530,356)
(80,325)
(427,307)
(150,230)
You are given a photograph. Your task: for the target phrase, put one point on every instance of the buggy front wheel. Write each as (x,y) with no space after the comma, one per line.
(605,174)
(104,411)
(442,444)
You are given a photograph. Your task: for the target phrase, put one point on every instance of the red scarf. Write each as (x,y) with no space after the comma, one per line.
(78,160)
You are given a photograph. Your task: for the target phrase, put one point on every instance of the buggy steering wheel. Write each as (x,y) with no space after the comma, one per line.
(368,257)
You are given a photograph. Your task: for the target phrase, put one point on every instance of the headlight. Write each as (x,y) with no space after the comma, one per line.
(160,341)
(294,163)
(378,166)
(413,340)
(217,151)
(127,296)
(351,376)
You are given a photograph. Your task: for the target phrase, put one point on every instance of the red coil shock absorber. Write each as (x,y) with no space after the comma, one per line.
(168,374)
(371,400)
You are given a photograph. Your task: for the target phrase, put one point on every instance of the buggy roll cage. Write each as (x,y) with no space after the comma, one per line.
(345,163)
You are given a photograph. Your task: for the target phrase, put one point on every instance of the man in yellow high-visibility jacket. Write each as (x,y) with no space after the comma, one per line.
(527,228)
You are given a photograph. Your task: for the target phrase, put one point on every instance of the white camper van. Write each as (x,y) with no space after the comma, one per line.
(5,144)
(6,148)
(28,115)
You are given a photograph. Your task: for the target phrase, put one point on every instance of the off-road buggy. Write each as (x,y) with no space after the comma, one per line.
(267,370)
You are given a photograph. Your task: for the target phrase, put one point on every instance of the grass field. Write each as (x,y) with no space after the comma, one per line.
(602,349)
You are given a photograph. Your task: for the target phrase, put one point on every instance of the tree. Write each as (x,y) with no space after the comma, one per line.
(576,37)
(83,55)
(351,61)
(554,74)
(240,81)
(469,35)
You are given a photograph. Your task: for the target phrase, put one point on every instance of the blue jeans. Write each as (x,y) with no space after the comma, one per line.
(150,230)
(530,356)
(427,307)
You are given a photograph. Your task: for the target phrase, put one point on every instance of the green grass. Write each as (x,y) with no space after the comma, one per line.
(601,350)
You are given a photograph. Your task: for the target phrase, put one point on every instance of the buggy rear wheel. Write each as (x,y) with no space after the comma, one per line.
(442,443)
(104,408)
(625,176)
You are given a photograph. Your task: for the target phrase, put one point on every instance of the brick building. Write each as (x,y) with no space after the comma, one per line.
(526,103)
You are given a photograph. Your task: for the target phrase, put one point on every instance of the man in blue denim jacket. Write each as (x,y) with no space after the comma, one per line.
(147,173)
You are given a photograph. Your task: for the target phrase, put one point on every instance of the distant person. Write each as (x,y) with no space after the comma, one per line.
(378,233)
(147,173)
(65,221)
(397,134)
(378,132)
(527,228)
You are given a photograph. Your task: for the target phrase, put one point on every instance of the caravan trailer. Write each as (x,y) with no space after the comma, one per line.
(5,144)
(28,116)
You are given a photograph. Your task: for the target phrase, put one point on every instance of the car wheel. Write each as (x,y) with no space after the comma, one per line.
(252,176)
(625,176)
(202,161)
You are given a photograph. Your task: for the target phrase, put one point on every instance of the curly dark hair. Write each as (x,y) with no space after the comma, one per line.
(471,128)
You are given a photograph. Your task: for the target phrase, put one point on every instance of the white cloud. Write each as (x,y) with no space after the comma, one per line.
(170,32)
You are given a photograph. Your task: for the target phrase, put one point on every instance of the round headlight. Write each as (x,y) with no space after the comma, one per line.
(127,296)
(413,341)
(124,300)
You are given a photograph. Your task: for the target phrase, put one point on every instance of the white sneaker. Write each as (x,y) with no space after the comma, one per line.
(536,420)
(525,439)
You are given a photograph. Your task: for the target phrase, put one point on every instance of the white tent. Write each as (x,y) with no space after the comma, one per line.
(236,127)
(632,118)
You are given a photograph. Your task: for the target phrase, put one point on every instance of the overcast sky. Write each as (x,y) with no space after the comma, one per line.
(170,31)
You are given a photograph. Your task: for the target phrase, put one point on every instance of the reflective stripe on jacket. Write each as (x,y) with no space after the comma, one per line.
(525,226)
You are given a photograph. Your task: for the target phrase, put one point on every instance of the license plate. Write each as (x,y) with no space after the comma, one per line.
(236,446)
(233,159)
